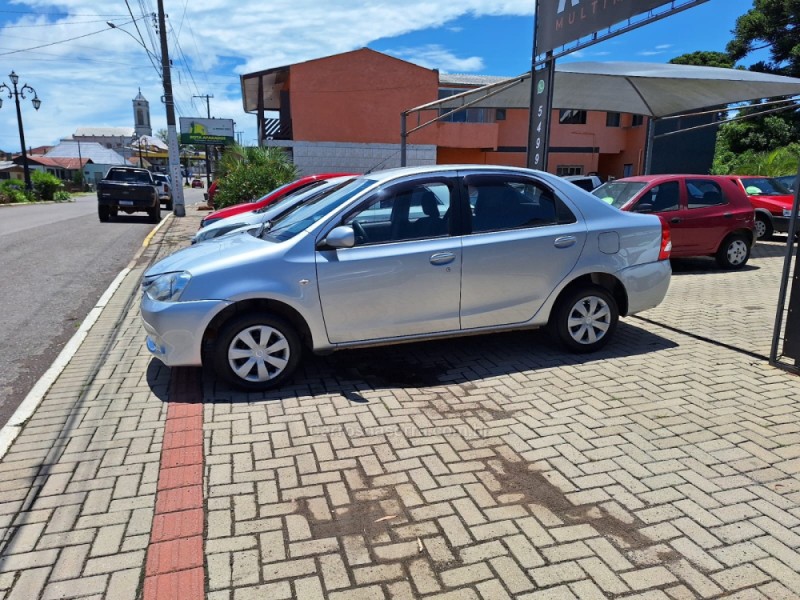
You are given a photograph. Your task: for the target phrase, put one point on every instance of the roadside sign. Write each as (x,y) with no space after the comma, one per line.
(197,130)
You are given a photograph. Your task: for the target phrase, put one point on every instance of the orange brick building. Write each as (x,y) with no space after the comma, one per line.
(342,113)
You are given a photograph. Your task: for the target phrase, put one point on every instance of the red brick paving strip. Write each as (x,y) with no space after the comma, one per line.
(175,569)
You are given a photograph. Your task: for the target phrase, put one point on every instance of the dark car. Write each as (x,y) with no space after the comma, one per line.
(708,215)
(128,190)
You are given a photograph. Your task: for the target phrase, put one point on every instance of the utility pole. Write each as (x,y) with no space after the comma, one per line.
(179,206)
(208,163)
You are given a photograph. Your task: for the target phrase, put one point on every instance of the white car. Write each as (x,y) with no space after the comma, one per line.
(267,213)
(164,186)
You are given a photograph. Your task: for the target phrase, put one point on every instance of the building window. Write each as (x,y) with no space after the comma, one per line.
(500,114)
(627,170)
(612,119)
(572,117)
(637,121)
(562,170)
(468,115)
(140,117)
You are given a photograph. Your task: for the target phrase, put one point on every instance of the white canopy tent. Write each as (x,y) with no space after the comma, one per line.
(654,90)
(650,89)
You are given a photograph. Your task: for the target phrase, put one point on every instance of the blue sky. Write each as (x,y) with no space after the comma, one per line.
(91,81)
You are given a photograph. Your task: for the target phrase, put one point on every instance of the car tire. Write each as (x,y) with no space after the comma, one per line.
(241,355)
(764,229)
(113,211)
(569,324)
(168,205)
(733,252)
(104,213)
(154,213)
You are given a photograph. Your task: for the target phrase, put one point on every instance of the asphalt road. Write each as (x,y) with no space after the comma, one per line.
(56,260)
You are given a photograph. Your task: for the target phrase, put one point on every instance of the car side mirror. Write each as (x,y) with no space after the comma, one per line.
(643,208)
(340,237)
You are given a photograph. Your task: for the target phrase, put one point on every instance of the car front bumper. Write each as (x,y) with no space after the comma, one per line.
(175,329)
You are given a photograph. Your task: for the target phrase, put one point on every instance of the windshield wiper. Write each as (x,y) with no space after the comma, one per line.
(265,227)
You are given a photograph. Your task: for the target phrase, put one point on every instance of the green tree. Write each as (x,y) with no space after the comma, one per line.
(770,25)
(782,161)
(163,135)
(244,173)
(705,58)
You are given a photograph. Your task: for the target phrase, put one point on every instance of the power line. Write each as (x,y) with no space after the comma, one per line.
(58,42)
(54,24)
(53,14)
(139,32)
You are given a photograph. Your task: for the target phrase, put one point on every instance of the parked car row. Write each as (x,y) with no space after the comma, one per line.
(402,255)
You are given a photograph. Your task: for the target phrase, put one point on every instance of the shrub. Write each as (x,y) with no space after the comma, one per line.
(45,185)
(247,173)
(62,196)
(13,191)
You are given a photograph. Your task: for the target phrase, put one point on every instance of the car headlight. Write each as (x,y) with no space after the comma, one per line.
(167,287)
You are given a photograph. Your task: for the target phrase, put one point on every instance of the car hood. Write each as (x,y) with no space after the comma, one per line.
(229,211)
(772,203)
(205,256)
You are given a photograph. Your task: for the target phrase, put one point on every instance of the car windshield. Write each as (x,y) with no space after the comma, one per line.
(130,176)
(280,190)
(305,215)
(764,186)
(303,191)
(619,193)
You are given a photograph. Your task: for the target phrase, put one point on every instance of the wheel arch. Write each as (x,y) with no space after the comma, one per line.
(274,307)
(605,280)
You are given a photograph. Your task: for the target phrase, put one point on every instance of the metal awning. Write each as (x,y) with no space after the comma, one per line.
(655,90)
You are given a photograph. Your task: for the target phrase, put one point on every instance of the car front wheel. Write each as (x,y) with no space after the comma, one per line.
(103,213)
(585,319)
(256,351)
(733,253)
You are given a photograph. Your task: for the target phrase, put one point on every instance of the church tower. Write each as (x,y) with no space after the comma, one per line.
(141,116)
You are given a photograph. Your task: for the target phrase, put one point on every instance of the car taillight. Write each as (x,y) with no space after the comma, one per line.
(666,241)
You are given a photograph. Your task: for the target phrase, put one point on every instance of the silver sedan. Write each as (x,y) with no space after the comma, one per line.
(406,254)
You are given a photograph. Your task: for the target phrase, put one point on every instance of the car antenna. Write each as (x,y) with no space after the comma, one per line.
(373,167)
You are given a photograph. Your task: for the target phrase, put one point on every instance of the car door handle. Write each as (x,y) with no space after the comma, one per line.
(565,241)
(728,215)
(443,258)
(674,220)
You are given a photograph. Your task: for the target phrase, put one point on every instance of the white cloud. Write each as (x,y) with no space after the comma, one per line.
(434,56)
(92,81)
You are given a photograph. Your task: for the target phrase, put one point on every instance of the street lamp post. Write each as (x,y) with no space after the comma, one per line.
(17,94)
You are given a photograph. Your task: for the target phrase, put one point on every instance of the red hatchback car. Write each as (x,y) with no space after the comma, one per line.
(708,215)
(772,201)
(273,196)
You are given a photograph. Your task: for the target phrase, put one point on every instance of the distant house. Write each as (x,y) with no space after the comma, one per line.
(10,170)
(117,139)
(100,158)
(63,168)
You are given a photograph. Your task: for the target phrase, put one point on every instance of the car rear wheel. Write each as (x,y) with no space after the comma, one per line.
(168,205)
(734,252)
(103,213)
(256,351)
(154,213)
(585,319)
(764,229)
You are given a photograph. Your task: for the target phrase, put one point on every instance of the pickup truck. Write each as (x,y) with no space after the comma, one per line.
(129,190)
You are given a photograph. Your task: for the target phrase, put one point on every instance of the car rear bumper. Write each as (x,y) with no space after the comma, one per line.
(175,329)
(136,204)
(646,285)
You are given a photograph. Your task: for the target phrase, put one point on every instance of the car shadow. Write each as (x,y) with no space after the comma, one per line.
(454,361)
(134,218)
(692,266)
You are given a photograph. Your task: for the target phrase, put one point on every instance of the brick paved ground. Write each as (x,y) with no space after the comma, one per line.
(488,467)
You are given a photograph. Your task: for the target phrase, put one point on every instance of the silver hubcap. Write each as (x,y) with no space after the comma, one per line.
(761,228)
(589,320)
(259,353)
(737,252)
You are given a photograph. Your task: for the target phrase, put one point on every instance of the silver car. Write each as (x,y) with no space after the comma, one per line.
(401,255)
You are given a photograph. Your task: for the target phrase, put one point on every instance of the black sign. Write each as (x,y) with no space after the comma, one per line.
(541,106)
(559,22)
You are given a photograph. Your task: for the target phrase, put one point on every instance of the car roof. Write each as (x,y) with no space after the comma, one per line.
(667,177)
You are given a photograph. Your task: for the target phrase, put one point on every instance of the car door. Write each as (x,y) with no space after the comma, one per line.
(403,276)
(664,198)
(521,241)
(704,222)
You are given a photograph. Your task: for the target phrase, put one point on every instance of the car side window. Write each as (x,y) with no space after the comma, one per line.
(403,213)
(664,197)
(704,192)
(500,203)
